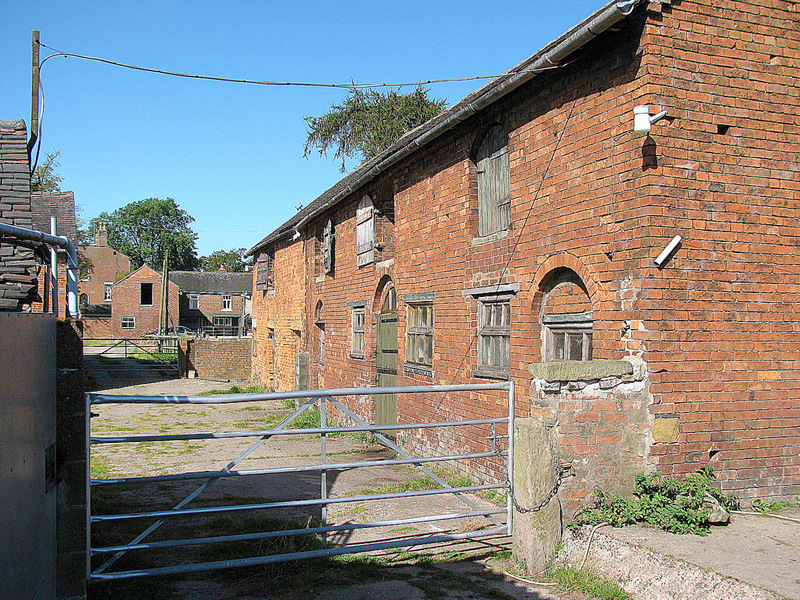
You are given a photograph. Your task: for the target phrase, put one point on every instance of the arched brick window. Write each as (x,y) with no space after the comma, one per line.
(566,318)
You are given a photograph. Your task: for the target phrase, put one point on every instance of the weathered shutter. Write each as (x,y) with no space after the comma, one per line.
(263,271)
(494,193)
(327,248)
(365,232)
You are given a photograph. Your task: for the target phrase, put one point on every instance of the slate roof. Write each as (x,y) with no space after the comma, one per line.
(548,57)
(212,282)
(60,205)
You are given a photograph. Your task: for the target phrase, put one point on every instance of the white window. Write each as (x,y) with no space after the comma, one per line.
(494,335)
(128,323)
(365,232)
(419,337)
(107,291)
(357,332)
(194,301)
(494,187)
(568,336)
(227,302)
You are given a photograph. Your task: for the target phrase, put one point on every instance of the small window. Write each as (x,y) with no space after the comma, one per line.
(494,186)
(107,292)
(357,333)
(494,336)
(320,323)
(146,294)
(227,302)
(84,301)
(128,323)
(194,301)
(365,232)
(419,337)
(568,337)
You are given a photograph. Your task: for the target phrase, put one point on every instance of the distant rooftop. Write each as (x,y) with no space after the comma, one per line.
(212,282)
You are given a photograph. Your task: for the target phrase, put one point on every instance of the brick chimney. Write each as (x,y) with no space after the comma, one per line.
(101,235)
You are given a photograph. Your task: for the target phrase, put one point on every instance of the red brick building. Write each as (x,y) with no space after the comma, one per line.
(211,303)
(529,232)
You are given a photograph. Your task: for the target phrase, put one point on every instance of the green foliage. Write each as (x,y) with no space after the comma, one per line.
(233,261)
(368,122)
(44,177)
(146,230)
(767,507)
(676,506)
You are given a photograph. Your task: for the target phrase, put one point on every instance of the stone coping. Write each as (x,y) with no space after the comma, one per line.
(578,370)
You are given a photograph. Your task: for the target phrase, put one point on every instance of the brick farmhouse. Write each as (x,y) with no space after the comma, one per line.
(214,303)
(518,235)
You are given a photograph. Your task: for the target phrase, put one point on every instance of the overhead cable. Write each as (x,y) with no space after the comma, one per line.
(351,85)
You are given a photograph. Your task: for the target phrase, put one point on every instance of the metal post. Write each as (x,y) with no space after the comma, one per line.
(324,472)
(54,268)
(510,495)
(88,457)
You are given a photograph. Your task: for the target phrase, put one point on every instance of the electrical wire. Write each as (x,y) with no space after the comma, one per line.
(351,85)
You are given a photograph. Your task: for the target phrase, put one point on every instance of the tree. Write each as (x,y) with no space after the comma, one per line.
(146,229)
(368,122)
(44,177)
(233,261)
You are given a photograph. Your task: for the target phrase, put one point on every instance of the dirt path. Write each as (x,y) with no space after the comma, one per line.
(453,570)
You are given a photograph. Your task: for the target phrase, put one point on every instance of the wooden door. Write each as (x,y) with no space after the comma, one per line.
(386,361)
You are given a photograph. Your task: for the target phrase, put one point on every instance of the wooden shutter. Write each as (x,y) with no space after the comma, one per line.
(494,188)
(365,232)
(263,271)
(327,248)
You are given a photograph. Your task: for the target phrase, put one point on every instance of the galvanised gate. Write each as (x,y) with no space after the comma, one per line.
(496,430)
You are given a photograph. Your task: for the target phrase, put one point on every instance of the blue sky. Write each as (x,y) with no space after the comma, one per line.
(231,155)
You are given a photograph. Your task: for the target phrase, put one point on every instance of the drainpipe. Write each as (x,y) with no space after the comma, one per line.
(53,279)
(61,242)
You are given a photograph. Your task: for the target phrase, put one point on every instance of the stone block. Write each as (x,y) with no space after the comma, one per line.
(536,534)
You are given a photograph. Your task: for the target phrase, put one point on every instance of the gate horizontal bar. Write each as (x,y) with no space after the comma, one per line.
(263,432)
(298,394)
(263,560)
(290,532)
(314,502)
(277,470)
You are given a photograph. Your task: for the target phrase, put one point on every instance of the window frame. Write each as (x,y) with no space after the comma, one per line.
(568,326)
(227,302)
(358,328)
(501,293)
(194,301)
(417,331)
(127,322)
(107,291)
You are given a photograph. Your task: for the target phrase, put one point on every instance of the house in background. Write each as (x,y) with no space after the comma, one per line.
(529,233)
(213,304)
(103,266)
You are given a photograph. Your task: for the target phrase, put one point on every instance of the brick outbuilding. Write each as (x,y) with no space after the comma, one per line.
(516,236)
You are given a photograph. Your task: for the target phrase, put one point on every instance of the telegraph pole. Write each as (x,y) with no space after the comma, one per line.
(34,129)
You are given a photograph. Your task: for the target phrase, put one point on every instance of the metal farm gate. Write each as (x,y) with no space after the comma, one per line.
(499,448)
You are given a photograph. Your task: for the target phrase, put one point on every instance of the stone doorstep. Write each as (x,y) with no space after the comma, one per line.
(645,573)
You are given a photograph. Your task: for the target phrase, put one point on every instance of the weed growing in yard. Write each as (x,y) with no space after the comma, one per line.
(587,582)
(766,507)
(674,505)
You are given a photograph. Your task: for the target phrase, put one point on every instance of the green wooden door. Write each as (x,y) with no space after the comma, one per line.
(386,367)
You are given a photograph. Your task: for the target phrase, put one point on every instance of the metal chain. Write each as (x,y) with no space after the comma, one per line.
(550,495)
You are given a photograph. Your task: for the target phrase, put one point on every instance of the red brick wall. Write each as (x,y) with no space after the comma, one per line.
(108,266)
(97,329)
(218,359)
(127,297)
(209,306)
(279,318)
(716,327)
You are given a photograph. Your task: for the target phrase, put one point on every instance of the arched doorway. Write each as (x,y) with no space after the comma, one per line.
(386,358)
